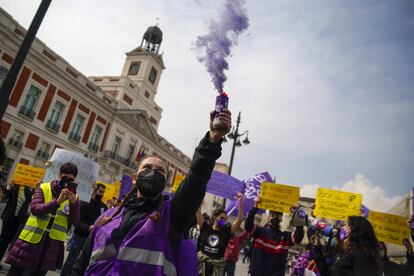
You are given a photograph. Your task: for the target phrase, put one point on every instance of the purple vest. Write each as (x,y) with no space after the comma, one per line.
(145,249)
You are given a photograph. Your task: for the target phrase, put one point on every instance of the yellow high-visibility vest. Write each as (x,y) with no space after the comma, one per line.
(36,226)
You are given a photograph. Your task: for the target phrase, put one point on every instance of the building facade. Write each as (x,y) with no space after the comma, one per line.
(111,119)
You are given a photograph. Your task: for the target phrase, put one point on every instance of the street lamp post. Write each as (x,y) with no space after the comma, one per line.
(236,136)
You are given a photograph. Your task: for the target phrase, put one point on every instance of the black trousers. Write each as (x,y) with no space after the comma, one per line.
(8,232)
(17,271)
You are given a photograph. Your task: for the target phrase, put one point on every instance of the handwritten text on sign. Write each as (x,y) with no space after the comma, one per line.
(177,181)
(277,197)
(87,171)
(337,204)
(27,175)
(389,228)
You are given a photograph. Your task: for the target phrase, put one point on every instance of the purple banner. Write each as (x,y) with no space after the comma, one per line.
(251,191)
(221,184)
(364,211)
(126,186)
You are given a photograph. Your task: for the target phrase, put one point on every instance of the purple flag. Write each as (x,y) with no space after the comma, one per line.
(224,185)
(364,211)
(251,191)
(126,186)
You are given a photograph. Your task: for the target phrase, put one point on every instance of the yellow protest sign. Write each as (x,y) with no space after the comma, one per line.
(27,175)
(337,205)
(111,190)
(278,197)
(177,181)
(117,188)
(389,228)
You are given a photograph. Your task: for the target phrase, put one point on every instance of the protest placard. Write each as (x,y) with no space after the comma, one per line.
(278,197)
(389,228)
(117,191)
(87,171)
(125,186)
(177,181)
(224,185)
(337,205)
(109,191)
(250,192)
(27,175)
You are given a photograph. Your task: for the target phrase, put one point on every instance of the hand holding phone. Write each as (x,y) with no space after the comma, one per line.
(72,187)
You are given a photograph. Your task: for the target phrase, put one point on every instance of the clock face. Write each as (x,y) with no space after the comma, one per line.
(134,68)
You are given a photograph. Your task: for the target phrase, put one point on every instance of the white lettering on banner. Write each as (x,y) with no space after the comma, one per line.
(252,191)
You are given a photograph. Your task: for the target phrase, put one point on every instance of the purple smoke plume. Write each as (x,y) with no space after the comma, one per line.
(215,46)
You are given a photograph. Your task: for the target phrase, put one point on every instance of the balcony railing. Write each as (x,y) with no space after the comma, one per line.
(42,154)
(74,137)
(27,112)
(120,159)
(15,143)
(93,147)
(53,126)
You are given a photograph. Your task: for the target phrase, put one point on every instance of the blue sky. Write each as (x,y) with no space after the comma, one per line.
(326,88)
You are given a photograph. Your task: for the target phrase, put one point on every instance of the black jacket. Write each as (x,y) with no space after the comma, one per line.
(89,212)
(9,210)
(270,248)
(184,204)
(356,263)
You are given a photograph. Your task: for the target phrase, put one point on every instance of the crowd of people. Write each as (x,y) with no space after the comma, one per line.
(150,233)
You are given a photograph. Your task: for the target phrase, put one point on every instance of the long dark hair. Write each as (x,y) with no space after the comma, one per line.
(362,237)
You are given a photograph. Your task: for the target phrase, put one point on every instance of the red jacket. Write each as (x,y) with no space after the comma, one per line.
(233,247)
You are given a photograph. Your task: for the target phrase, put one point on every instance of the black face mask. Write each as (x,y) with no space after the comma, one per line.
(150,183)
(64,180)
(98,197)
(275,223)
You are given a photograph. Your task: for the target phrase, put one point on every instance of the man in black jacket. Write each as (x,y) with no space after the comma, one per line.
(15,213)
(89,212)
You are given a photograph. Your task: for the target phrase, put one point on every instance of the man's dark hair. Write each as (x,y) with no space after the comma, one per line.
(69,168)
(99,185)
(218,212)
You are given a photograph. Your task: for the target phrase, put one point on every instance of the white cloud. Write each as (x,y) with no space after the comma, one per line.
(374,197)
(324,92)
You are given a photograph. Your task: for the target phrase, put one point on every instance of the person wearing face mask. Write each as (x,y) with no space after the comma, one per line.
(89,212)
(143,236)
(360,256)
(40,246)
(231,256)
(270,248)
(324,250)
(214,238)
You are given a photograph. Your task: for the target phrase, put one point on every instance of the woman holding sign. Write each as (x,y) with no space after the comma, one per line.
(143,236)
(361,255)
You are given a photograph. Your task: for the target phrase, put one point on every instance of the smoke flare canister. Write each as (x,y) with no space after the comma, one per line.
(222,102)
